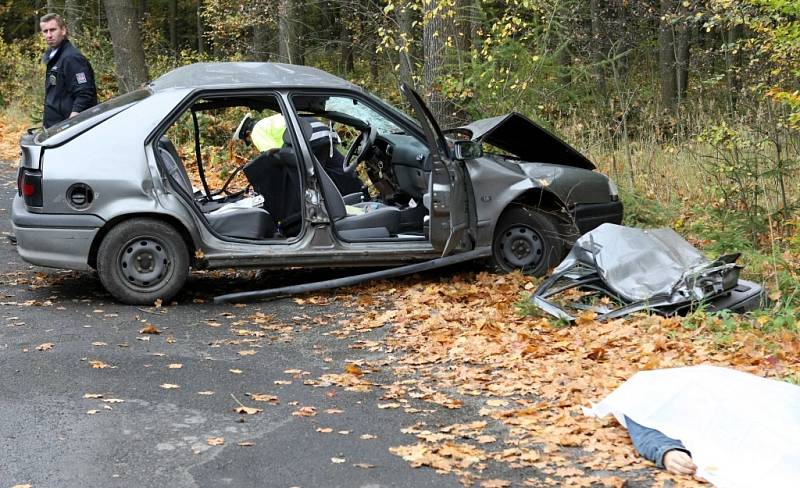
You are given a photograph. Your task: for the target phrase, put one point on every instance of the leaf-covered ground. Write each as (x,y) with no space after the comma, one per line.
(465,342)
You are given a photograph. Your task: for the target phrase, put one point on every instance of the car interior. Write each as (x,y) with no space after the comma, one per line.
(373,190)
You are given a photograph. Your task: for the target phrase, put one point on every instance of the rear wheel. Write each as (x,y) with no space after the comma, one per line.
(526,239)
(142,260)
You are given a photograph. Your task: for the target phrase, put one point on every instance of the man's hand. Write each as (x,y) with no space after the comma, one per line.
(73,114)
(678,462)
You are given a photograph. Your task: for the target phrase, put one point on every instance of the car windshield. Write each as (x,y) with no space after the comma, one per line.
(354,108)
(98,113)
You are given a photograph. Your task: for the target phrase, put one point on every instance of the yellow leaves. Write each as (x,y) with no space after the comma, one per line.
(45,347)
(235,371)
(168,386)
(337,460)
(216,441)
(248,352)
(92,395)
(441,457)
(97,364)
(175,366)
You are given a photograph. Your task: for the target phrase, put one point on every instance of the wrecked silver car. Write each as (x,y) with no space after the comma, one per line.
(614,271)
(126,187)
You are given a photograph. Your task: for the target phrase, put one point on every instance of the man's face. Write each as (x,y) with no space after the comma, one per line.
(53,34)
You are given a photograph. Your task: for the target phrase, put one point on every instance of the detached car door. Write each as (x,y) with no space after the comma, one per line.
(449,216)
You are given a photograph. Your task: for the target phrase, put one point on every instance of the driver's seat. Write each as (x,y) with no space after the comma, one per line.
(373,220)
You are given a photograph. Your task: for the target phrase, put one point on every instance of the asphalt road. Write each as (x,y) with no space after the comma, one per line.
(52,436)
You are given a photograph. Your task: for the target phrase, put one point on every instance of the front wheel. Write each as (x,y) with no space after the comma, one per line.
(526,239)
(143,260)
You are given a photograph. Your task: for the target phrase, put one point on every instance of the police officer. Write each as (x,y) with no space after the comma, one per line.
(69,81)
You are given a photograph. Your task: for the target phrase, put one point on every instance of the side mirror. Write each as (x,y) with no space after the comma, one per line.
(463,150)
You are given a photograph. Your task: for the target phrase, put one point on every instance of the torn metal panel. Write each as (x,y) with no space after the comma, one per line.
(616,270)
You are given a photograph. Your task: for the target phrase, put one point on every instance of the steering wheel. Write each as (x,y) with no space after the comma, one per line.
(360,150)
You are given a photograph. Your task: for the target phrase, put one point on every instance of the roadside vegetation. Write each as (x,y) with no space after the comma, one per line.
(692,107)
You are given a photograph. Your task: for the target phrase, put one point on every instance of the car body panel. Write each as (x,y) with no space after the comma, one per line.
(522,137)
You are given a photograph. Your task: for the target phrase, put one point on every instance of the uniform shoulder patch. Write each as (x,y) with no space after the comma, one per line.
(81,77)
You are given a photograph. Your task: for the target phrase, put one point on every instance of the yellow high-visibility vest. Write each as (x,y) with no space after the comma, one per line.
(268,132)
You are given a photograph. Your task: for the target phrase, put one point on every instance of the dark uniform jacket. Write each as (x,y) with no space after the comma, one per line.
(69,84)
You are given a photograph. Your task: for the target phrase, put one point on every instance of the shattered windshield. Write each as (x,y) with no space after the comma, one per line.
(356,109)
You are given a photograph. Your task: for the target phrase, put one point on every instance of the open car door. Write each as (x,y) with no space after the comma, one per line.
(449,216)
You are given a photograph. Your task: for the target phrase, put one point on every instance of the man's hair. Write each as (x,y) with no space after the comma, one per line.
(53,16)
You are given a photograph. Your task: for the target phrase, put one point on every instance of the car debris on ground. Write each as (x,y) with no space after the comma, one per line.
(615,270)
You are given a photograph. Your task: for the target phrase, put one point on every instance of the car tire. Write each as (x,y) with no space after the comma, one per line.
(143,260)
(526,239)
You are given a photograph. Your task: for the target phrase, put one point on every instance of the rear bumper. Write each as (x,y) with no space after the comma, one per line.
(589,215)
(56,241)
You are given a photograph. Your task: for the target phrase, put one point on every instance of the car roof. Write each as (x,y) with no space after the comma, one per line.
(245,74)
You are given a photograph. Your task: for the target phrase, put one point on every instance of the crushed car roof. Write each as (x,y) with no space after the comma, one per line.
(236,75)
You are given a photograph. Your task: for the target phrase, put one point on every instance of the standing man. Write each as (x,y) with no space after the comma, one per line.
(69,81)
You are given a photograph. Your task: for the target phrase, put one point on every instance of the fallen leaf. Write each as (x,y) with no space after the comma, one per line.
(282,382)
(175,366)
(247,410)
(324,430)
(248,352)
(245,444)
(93,395)
(206,392)
(336,460)
(363,465)
(262,397)
(99,344)
(97,364)
(235,371)
(169,386)
(495,483)
(351,368)
(112,400)
(368,436)
(150,329)
(305,412)
(216,441)
(45,347)
(92,412)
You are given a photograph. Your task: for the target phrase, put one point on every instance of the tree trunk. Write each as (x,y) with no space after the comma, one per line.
(434,30)
(52,6)
(683,35)
(261,38)
(199,18)
(173,28)
(598,54)
(73,12)
(287,37)
(403,35)
(127,41)
(733,62)
(666,58)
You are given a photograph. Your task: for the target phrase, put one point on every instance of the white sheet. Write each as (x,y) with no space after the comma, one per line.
(743,430)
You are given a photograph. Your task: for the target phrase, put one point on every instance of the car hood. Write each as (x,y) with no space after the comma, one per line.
(522,137)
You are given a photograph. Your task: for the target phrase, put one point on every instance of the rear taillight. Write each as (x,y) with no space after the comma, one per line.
(29,186)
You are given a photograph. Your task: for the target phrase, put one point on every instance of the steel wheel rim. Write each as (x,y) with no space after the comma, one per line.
(521,247)
(144,263)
